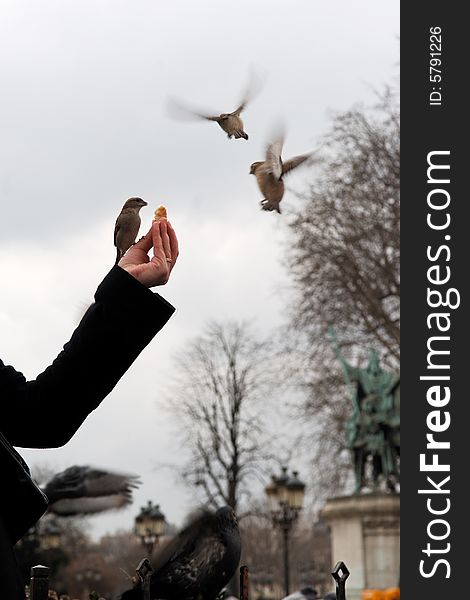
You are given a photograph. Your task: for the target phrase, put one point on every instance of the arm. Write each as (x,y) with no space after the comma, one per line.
(350,373)
(47,412)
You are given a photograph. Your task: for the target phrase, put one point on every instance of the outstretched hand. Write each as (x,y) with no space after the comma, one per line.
(156,270)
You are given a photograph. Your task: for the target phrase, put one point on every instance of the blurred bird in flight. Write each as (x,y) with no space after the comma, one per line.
(230,122)
(270,172)
(81,490)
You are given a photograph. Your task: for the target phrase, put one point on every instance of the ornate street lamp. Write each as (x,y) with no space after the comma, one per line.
(286,497)
(149,526)
(50,534)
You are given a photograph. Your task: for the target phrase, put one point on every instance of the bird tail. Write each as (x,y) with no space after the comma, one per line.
(239,133)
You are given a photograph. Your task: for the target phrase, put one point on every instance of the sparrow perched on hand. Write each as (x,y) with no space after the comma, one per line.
(269,173)
(198,562)
(127,226)
(83,490)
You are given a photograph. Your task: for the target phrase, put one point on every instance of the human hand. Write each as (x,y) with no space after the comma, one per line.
(154,271)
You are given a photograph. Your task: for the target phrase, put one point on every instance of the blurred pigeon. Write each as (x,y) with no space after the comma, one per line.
(198,562)
(83,490)
(269,173)
(330,596)
(306,593)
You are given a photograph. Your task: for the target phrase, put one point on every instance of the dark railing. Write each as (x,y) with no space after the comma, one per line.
(39,586)
(340,573)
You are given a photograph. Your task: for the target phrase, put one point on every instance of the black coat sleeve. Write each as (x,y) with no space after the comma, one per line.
(46,412)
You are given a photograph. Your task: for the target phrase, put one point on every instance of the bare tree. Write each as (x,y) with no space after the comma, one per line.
(343,256)
(309,551)
(220,398)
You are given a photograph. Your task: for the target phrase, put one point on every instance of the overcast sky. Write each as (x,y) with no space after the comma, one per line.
(84,125)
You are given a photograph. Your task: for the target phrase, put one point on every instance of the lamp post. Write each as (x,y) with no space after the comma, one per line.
(286,497)
(149,526)
(51,534)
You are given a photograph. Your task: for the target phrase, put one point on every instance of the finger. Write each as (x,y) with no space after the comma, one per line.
(166,240)
(145,243)
(173,243)
(158,250)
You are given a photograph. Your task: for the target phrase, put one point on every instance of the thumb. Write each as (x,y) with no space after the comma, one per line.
(145,243)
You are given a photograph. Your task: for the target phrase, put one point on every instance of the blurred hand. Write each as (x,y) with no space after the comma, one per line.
(154,271)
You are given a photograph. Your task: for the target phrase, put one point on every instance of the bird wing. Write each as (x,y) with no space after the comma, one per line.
(237,111)
(184,541)
(68,507)
(251,90)
(294,162)
(181,112)
(66,484)
(191,568)
(211,117)
(85,481)
(99,482)
(273,157)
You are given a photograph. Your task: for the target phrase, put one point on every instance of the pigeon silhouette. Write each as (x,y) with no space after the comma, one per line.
(270,172)
(198,562)
(81,490)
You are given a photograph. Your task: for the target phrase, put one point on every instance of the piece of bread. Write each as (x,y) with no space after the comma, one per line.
(160,213)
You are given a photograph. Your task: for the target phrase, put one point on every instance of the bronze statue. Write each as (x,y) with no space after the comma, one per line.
(373,429)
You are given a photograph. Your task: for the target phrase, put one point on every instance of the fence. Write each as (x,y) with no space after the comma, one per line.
(39,586)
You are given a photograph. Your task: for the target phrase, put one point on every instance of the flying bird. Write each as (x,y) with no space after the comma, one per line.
(127,226)
(81,490)
(270,172)
(198,562)
(230,122)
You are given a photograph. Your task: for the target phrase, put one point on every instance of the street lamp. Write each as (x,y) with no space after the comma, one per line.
(286,497)
(149,526)
(51,534)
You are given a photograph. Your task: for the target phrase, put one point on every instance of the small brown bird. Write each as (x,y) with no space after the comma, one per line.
(127,226)
(231,122)
(269,173)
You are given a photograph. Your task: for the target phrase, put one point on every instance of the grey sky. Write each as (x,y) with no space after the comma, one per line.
(84,125)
